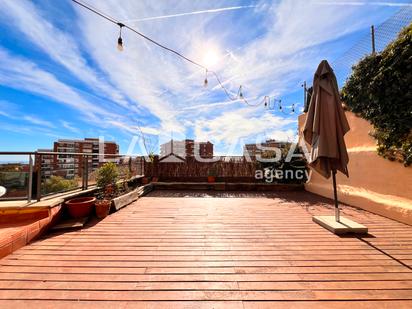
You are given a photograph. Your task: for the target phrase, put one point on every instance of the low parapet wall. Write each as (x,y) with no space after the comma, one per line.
(374,184)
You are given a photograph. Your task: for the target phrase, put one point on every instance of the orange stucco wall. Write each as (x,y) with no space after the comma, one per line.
(374,184)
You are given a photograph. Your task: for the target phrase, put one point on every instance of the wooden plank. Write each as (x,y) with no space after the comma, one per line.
(70,224)
(207,295)
(215,252)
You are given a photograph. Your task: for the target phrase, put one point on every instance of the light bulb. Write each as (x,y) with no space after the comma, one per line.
(120,44)
(205,82)
(120,40)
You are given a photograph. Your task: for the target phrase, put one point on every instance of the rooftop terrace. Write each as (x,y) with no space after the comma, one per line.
(215,250)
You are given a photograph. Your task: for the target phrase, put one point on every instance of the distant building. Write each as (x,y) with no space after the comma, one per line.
(253,150)
(47,163)
(71,164)
(187,148)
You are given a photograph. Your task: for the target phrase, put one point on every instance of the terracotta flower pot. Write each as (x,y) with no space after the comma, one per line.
(102,208)
(80,207)
(211,178)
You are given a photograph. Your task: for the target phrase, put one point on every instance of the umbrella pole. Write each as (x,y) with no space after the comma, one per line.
(335,195)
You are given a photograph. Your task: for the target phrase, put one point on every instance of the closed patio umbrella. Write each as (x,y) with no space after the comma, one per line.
(325,128)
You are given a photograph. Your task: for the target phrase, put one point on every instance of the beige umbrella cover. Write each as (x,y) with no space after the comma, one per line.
(326,124)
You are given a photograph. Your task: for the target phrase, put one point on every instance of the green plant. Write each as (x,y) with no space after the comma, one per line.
(107,175)
(59,184)
(380,90)
(151,156)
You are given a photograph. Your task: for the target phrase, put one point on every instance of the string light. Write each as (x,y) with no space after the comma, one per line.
(205,82)
(120,40)
(120,47)
(240,92)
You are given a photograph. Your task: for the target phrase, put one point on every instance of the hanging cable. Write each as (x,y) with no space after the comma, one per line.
(239,96)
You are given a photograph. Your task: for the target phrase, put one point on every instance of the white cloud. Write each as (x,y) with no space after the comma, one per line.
(274,63)
(231,8)
(166,93)
(231,126)
(67,125)
(360,3)
(37,121)
(19,73)
(60,46)
(3,113)
(14,113)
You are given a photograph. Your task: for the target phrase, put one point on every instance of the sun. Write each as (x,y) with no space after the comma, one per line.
(210,57)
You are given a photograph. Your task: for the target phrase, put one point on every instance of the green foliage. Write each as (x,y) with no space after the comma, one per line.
(380,90)
(151,156)
(107,175)
(59,184)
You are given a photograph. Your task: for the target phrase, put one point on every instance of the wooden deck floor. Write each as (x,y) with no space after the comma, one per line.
(180,252)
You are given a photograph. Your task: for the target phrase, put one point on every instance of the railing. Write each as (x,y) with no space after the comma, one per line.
(39,174)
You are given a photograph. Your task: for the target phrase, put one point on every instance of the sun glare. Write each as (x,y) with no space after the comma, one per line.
(210,57)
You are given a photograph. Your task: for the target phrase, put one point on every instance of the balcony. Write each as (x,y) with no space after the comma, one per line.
(205,247)
(185,249)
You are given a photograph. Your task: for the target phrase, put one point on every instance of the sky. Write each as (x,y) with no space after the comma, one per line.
(61,75)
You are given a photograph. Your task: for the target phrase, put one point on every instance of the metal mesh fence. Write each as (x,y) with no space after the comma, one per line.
(384,34)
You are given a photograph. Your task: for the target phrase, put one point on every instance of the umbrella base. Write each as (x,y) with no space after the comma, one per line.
(344,226)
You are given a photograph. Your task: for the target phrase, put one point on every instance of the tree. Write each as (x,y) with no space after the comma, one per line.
(380,90)
(59,184)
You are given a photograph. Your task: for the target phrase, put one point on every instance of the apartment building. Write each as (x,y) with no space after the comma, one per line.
(187,148)
(69,163)
(47,163)
(253,150)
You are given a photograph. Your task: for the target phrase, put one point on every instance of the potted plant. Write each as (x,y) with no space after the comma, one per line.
(211,177)
(80,207)
(103,203)
(106,181)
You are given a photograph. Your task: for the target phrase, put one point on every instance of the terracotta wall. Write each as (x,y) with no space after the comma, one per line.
(374,184)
